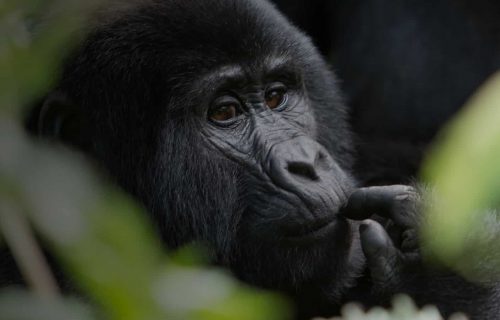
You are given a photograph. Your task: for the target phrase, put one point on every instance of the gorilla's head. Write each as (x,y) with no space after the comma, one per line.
(225,122)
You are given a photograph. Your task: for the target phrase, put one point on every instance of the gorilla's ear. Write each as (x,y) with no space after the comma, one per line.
(57,118)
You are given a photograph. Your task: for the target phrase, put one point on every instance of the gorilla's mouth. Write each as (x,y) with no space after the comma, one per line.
(311,232)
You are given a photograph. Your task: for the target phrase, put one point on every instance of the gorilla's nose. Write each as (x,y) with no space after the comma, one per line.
(299,160)
(304,169)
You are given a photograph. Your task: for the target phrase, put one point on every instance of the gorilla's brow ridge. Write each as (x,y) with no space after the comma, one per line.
(224,77)
(234,75)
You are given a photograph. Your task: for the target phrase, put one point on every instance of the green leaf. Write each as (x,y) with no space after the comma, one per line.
(464,169)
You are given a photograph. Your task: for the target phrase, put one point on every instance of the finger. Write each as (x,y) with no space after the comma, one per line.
(410,241)
(366,201)
(396,202)
(382,257)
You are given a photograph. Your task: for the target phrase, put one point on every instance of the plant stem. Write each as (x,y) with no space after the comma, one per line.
(26,251)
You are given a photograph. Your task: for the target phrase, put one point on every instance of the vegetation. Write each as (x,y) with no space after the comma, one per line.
(403,309)
(465,172)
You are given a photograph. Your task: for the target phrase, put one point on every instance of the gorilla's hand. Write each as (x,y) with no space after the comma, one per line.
(392,251)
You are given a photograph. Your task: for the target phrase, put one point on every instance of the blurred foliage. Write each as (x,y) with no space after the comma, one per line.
(403,309)
(34,37)
(18,304)
(462,226)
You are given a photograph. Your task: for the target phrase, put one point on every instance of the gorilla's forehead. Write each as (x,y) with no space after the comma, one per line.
(162,47)
(211,28)
(167,41)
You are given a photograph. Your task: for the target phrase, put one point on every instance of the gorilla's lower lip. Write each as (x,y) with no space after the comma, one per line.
(311,234)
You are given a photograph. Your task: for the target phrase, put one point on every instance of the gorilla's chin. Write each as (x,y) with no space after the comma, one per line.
(315,256)
(299,228)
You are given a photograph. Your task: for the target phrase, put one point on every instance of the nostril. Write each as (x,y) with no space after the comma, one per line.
(320,156)
(303,169)
(322,161)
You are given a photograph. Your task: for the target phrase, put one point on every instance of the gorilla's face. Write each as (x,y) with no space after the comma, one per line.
(260,117)
(225,122)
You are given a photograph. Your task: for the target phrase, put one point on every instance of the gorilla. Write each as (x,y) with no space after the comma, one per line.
(226,123)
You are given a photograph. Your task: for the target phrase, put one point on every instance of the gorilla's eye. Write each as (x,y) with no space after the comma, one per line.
(223,113)
(276,96)
(224,109)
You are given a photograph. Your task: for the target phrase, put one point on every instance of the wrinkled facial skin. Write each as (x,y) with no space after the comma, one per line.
(262,120)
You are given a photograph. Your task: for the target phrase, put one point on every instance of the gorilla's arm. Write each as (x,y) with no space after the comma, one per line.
(393,255)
